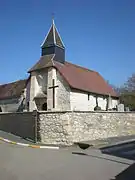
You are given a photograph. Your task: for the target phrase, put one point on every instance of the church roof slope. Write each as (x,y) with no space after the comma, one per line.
(13,89)
(84,79)
(44,62)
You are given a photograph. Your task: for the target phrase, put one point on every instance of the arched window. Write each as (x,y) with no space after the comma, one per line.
(44,107)
(0,109)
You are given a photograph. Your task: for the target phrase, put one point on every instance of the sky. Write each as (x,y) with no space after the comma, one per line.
(99,35)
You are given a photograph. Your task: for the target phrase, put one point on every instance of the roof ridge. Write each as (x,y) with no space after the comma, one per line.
(79,66)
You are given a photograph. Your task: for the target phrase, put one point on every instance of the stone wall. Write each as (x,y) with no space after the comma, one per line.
(51,76)
(63,94)
(68,127)
(21,124)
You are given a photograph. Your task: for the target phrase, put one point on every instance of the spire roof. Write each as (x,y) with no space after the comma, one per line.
(52,38)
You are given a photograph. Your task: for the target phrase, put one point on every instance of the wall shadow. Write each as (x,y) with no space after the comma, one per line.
(99,157)
(127,174)
(125,150)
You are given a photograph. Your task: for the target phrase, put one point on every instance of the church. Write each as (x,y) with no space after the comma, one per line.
(55,84)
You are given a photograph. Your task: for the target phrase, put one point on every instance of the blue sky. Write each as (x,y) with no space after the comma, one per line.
(97,34)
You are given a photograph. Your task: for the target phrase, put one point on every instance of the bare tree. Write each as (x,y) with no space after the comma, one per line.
(129,86)
(127,93)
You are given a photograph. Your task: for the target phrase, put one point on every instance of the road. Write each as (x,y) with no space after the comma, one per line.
(19,163)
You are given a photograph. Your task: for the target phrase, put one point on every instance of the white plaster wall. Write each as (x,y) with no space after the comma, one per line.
(102,102)
(115,102)
(79,101)
(9,105)
(38,82)
(12,105)
(91,103)
(42,79)
(33,90)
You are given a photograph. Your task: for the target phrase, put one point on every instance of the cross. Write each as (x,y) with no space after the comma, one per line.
(53,17)
(53,88)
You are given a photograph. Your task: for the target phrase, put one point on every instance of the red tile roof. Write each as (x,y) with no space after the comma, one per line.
(84,79)
(13,89)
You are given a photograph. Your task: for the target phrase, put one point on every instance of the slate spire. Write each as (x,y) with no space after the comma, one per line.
(53,44)
(53,37)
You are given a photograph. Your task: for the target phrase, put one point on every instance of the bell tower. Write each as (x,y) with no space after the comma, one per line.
(53,44)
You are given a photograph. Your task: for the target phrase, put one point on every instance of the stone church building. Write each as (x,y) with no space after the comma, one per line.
(56,85)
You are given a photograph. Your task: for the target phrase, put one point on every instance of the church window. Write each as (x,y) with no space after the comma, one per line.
(88,97)
(104,97)
(27,106)
(44,107)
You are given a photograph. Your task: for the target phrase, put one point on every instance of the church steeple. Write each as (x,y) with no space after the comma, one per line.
(53,44)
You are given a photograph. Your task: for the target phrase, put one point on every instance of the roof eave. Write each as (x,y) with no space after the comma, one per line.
(10,97)
(86,91)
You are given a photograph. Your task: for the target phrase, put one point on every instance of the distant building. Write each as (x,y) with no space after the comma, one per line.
(12,96)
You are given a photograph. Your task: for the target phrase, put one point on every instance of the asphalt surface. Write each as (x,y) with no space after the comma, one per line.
(19,163)
(13,137)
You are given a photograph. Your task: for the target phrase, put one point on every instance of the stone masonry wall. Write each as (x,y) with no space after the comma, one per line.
(68,127)
(63,94)
(54,128)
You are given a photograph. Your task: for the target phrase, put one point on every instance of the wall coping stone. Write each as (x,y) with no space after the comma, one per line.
(63,112)
(3,113)
(100,112)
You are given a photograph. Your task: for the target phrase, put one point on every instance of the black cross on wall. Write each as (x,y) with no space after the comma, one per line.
(53,88)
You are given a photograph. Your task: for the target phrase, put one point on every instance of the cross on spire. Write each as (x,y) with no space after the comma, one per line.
(52,18)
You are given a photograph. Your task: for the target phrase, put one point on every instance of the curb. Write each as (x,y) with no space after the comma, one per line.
(28,145)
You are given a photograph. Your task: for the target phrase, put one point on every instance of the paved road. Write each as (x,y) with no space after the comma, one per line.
(19,163)
(13,137)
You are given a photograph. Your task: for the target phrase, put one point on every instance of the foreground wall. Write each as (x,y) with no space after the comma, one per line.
(68,127)
(21,124)
(65,128)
